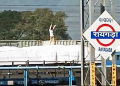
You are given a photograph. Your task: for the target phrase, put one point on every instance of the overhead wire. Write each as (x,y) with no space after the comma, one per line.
(39,5)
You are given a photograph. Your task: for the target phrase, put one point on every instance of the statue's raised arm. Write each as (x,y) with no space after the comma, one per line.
(50,26)
(54,27)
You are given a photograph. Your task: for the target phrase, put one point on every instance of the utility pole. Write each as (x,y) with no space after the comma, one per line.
(92,50)
(103,63)
(82,42)
(113,54)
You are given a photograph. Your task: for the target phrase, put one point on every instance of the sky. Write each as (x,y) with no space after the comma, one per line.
(70,7)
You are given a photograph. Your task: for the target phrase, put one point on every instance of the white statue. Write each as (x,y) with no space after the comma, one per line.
(51,33)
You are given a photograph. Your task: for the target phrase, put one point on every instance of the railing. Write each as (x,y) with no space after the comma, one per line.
(20,43)
(70,42)
(25,43)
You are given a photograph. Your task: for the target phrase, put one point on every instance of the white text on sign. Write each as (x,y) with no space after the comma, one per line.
(105,35)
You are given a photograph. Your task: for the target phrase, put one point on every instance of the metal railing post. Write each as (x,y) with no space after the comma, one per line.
(70,77)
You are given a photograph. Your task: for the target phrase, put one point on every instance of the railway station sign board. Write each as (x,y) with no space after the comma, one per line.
(104,35)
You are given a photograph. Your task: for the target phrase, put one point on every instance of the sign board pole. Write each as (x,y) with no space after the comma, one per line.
(92,50)
(103,63)
(114,69)
(82,41)
(113,54)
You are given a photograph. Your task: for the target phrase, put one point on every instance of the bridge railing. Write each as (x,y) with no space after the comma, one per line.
(24,43)
(20,43)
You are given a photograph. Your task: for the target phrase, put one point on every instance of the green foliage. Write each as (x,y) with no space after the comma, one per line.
(8,20)
(32,25)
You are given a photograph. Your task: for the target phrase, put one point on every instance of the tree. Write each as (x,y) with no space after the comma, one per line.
(35,25)
(8,20)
